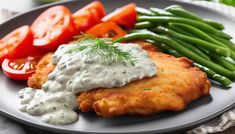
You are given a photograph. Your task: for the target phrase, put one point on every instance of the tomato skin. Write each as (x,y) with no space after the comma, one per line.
(35,52)
(106,30)
(16,44)
(20,69)
(88,16)
(124,16)
(52,28)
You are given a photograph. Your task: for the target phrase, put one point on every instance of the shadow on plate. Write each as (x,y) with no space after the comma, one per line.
(12,84)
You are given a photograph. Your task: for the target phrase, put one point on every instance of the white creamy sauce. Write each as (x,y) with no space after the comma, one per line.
(76,72)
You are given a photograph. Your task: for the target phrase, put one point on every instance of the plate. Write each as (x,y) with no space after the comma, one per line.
(204,109)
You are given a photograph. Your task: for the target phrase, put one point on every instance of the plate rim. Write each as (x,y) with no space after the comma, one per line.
(62,130)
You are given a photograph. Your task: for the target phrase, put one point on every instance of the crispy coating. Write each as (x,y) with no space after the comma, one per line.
(177,84)
(43,68)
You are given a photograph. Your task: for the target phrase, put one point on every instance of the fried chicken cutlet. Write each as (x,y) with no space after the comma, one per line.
(176,84)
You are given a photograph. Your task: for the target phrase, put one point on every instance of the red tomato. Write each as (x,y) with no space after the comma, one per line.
(106,30)
(20,69)
(88,16)
(16,44)
(124,16)
(52,28)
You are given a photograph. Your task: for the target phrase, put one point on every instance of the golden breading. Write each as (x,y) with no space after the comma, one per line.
(177,84)
(43,68)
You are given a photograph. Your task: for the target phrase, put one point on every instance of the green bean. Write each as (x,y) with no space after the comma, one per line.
(230,44)
(143,11)
(138,30)
(193,48)
(162,46)
(144,24)
(211,38)
(228,2)
(172,6)
(233,55)
(223,62)
(214,24)
(198,33)
(159,46)
(203,49)
(180,12)
(211,74)
(160,12)
(181,49)
(211,47)
(175,53)
(215,39)
(198,24)
(185,44)
(229,59)
(165,48)
(214,76)
(177,29)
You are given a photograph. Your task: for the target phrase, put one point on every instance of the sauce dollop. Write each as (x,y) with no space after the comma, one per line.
(75,73)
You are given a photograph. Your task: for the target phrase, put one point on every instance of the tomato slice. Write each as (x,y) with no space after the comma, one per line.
(107,29)
(52,28)
(88,16)
(124,16)
(16,44)
(20,69)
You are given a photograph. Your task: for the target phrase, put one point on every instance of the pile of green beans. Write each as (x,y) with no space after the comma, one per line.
(179,32)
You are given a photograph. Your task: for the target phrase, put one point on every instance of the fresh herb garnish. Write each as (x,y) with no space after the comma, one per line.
(103,48)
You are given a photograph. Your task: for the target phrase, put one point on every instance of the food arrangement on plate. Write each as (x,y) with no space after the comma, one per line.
(133,61)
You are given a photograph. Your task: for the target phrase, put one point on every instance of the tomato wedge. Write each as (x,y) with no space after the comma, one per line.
(16,44)
(20,69)
(88,16)
(107,29)
(52,28)
(124,16)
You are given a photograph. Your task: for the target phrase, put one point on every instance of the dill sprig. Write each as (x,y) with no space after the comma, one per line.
(103,48)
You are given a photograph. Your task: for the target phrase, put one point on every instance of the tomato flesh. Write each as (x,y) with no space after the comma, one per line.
(124,16)
(16,44)
(20,69)
(88,16)
(106,30)
(52,28)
